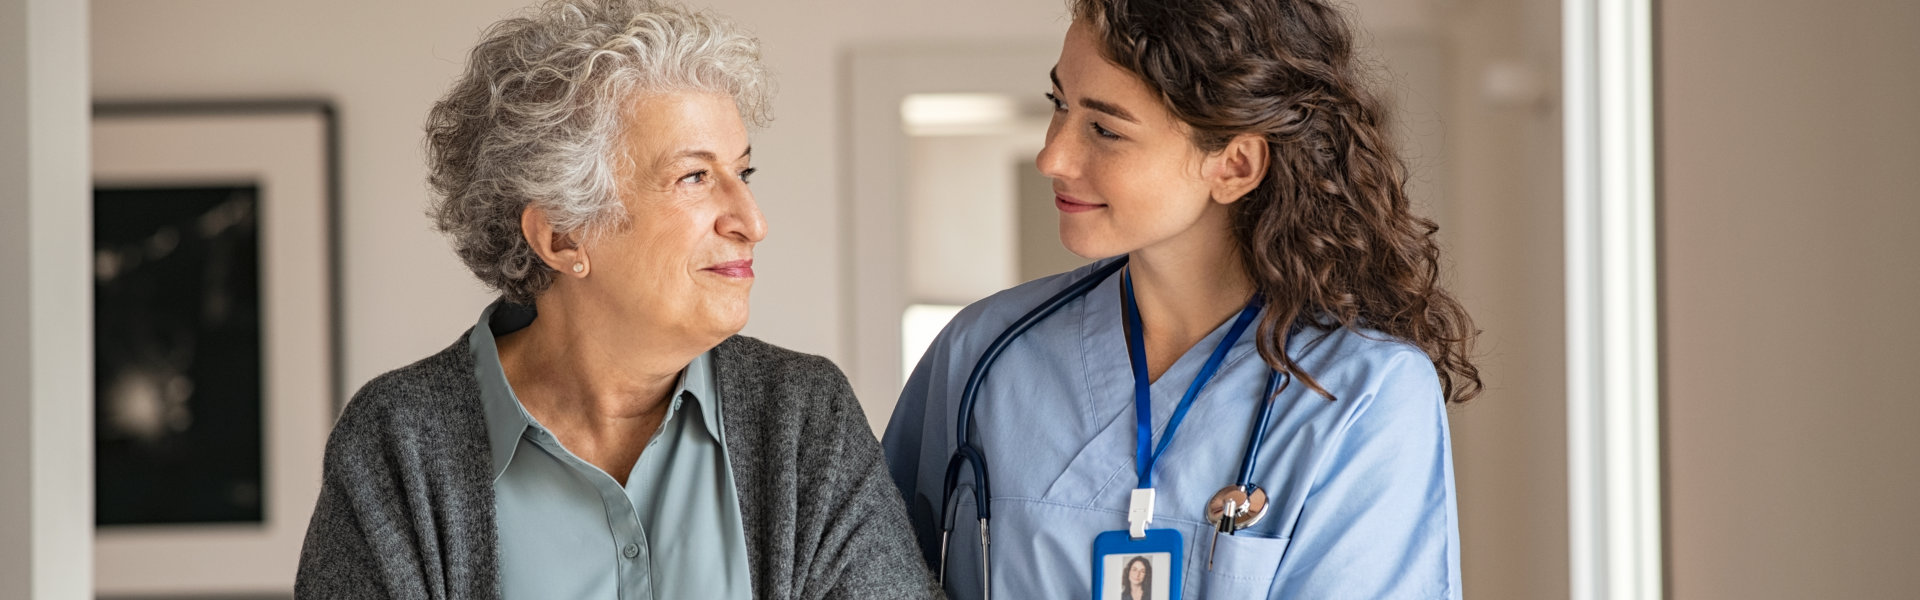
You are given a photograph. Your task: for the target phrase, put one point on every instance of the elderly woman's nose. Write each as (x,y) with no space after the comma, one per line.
(743,220)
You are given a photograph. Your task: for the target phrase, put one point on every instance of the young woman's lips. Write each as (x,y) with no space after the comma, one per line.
(1069,204)
(739,269)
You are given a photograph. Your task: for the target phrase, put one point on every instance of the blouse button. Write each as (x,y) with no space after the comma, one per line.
(630,550)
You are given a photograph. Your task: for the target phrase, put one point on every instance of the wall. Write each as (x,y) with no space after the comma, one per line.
(46,438)
(1789,138)
(1502,231)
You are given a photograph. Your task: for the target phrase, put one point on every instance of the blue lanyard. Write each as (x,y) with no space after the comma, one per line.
(1143,390)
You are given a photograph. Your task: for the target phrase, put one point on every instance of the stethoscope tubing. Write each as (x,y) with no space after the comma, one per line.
(969,454)
(1259,435)
(966,451)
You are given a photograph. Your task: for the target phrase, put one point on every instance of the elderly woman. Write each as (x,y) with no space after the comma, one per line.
(601,432)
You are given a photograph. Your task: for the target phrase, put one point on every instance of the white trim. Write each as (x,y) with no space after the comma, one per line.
(46,307)
(1612,318)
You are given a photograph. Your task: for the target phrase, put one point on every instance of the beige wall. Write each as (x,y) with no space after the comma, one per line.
(1502,228)
(1789,139)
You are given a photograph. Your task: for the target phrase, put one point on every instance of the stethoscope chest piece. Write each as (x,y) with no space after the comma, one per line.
(1234,508)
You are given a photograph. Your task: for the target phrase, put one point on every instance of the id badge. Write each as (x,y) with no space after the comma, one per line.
(1145,569)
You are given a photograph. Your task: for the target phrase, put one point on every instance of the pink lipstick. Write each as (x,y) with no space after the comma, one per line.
(739,269)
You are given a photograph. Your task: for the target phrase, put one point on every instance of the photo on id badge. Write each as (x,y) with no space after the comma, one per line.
(1144,569)
(1132,576)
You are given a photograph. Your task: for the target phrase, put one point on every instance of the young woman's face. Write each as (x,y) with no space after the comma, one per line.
(1125,174)
(1137,572)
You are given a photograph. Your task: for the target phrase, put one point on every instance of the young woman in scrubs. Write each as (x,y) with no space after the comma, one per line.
(1230,151)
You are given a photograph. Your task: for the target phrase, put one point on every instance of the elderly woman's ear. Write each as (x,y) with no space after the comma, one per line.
(558,250)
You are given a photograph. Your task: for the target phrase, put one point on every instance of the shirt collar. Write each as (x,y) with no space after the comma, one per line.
(507,419)
(696,385)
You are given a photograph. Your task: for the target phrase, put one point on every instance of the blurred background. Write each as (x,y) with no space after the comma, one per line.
(898,183)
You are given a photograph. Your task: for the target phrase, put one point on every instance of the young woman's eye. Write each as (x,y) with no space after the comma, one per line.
(1055,101)
(696,177)
(1104,132)
(746,175)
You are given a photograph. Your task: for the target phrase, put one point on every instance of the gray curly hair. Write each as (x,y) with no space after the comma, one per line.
(537,119)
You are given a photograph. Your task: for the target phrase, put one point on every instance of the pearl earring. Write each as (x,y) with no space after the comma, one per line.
(579,267)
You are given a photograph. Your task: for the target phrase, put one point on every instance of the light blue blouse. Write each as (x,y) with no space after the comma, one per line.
(568,530)
(1361,487)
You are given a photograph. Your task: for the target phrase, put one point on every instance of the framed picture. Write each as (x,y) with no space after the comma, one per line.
(216,341)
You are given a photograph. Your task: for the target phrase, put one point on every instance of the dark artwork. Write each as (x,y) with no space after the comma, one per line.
(177,370)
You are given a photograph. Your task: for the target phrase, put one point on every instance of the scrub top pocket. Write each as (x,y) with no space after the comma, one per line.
(1244,566)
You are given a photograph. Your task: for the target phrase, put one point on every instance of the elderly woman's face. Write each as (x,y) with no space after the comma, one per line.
(685,264)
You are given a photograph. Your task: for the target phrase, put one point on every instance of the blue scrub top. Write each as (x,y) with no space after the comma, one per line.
(1362,498)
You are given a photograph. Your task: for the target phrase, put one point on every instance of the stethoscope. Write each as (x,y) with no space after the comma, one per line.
(1233,508)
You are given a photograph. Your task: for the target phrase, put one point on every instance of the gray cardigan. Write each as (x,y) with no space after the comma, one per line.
(406,509)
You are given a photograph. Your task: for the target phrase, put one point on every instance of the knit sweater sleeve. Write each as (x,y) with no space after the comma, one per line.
(405,507)
(823,519)
(356,541)
(867,547)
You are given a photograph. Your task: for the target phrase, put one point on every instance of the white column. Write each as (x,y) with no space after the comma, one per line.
(46,298)
(1612,321)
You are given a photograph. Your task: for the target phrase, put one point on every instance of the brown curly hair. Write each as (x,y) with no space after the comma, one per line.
(1328,235)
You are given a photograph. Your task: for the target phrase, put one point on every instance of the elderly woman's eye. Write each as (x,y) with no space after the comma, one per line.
(746,175)
(695,177)
(1055,101)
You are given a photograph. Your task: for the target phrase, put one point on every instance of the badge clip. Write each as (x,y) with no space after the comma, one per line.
(1139,513)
